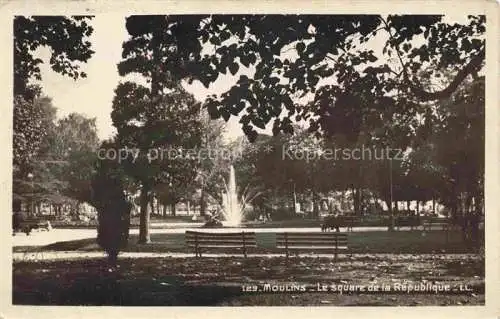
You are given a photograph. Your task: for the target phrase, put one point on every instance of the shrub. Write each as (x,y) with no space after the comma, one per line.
(113,211)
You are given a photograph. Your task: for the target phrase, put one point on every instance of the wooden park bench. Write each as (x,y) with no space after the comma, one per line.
(335,222)
(330,241)
(201,241)
(407,221)
(28,225)
(441,223)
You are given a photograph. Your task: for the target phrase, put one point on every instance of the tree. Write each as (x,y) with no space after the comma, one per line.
(33,124)
(33,121)
(163,115)
(108,196)
(213,162)
(76,141)
(453,147)
(65,36)
(293,55)
(159,131)
(33,113)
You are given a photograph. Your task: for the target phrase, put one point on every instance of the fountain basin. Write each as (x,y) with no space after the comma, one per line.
(219,224)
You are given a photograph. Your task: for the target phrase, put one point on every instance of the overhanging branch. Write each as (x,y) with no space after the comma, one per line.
(417,89)
(471,68)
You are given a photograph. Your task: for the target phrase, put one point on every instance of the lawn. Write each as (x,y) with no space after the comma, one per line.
(375,258)
(359,242)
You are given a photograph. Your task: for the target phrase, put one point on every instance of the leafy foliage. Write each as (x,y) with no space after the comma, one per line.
(154,128)
(296,56)
(32,124)
(76,141)
(452,155)
(34,115)
(65,36)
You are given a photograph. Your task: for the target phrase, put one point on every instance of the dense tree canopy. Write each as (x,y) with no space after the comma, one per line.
(33,121)
(34,115)
(318,56)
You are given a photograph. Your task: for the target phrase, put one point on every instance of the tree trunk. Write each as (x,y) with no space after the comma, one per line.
(144,236)
(152,204)
(390,225)
(356,194)
(164,210)
(173,209)
(315,205)
(188,207)
(342,200)
(77,209)
(113,257)
(203,206)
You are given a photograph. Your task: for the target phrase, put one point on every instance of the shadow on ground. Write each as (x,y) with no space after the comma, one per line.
(219,281)
(138,292)
(91,283)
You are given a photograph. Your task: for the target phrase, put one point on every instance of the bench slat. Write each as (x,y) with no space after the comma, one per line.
(314,247)
(312,235)
(312,238)
(324,243)
(222,242)
(222,236)
(220,239)
(204,240)
(221,246)
(335,241)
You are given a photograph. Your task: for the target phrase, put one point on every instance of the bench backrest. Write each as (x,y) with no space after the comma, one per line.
(341,220)
(436,220)
(311,240)
(206,239)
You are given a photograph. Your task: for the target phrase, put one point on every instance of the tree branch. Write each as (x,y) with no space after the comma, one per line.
(395,47)
(471,68)
(417,89)
(332,59)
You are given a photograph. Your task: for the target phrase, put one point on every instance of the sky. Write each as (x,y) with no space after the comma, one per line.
(93,95)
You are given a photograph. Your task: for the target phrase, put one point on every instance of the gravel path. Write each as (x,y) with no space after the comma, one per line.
(66,255)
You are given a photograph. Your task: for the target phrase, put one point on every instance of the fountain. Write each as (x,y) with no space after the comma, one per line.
(232,209)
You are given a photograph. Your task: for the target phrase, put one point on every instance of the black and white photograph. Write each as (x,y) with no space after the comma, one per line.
(249,159)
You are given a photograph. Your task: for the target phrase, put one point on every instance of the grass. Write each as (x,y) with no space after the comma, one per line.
(412,242)
(375,257)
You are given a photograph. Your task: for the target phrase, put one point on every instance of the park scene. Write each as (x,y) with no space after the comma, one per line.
(249,160)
